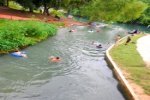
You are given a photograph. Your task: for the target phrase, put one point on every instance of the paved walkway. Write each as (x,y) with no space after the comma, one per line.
(143,47)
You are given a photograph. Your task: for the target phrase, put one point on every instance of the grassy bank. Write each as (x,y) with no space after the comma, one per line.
(129,60)
(19,34)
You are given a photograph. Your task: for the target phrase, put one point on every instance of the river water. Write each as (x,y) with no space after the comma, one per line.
(82,73)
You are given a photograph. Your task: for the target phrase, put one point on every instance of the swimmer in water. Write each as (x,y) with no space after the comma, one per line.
(54,59)
(91,31)
(21,53)
(73,30)
(98,45)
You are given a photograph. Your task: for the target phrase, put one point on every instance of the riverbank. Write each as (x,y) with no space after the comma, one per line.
(8,13)
(12,14)
(133,67)
(16,35)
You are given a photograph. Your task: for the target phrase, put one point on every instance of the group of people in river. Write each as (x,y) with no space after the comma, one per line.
(58,59)
(118,37)
(134,32)
(18,53)
(128,40)
(23,54)
(92,27)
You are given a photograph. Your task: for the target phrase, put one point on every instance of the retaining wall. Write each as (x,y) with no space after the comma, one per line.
(125,87)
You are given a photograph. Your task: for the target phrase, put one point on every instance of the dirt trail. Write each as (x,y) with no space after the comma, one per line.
(8,13)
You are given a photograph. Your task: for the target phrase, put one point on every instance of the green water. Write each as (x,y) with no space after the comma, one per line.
(82,73)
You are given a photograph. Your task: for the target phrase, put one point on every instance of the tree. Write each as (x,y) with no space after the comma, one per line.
(28,4)
(4,2)
(114,10)
(70,5)
(145,17)
(1,2)
(132,11)
(7,2)
(47,4)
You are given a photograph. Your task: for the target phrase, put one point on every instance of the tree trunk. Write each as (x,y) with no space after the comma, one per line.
(46,12)
(68,12)
(31,9)
(7,3)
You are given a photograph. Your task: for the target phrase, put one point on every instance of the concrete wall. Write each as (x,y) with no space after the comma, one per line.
(125,87)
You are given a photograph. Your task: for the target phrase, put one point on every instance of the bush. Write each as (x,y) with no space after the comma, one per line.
(1,2)
(58,13)
(15,5)
(145,20)
(17,34)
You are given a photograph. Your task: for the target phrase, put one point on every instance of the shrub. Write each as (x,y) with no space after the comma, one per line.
(17,34)
(58,13)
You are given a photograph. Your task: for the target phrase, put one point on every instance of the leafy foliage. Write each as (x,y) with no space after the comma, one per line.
(58,13)
(1,2)
(145,17)
(16,34)
(27,4)
(15,5)
(102,10)
(114,10)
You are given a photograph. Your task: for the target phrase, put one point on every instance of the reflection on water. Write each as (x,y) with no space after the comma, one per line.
(81,75)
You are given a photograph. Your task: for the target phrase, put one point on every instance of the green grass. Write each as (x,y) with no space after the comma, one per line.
(128,59)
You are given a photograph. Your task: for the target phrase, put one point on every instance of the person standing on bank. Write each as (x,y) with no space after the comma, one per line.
(128,40)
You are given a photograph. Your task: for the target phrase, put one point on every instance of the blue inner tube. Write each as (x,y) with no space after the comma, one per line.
(17,55)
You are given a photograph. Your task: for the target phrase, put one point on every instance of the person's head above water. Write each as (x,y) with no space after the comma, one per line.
(54,59)
(57,58)
(99,46)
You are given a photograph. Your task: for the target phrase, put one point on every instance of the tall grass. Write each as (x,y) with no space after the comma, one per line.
(18,34)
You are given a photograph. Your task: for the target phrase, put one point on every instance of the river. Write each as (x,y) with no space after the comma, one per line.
(82,73)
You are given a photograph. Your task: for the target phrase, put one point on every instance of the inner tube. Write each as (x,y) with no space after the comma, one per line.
(99,46)
(91,31)
(15,54)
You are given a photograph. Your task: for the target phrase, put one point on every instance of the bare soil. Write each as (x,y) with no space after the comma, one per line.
(13,14)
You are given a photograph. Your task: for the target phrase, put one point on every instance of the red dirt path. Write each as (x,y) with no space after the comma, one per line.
(8,13)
